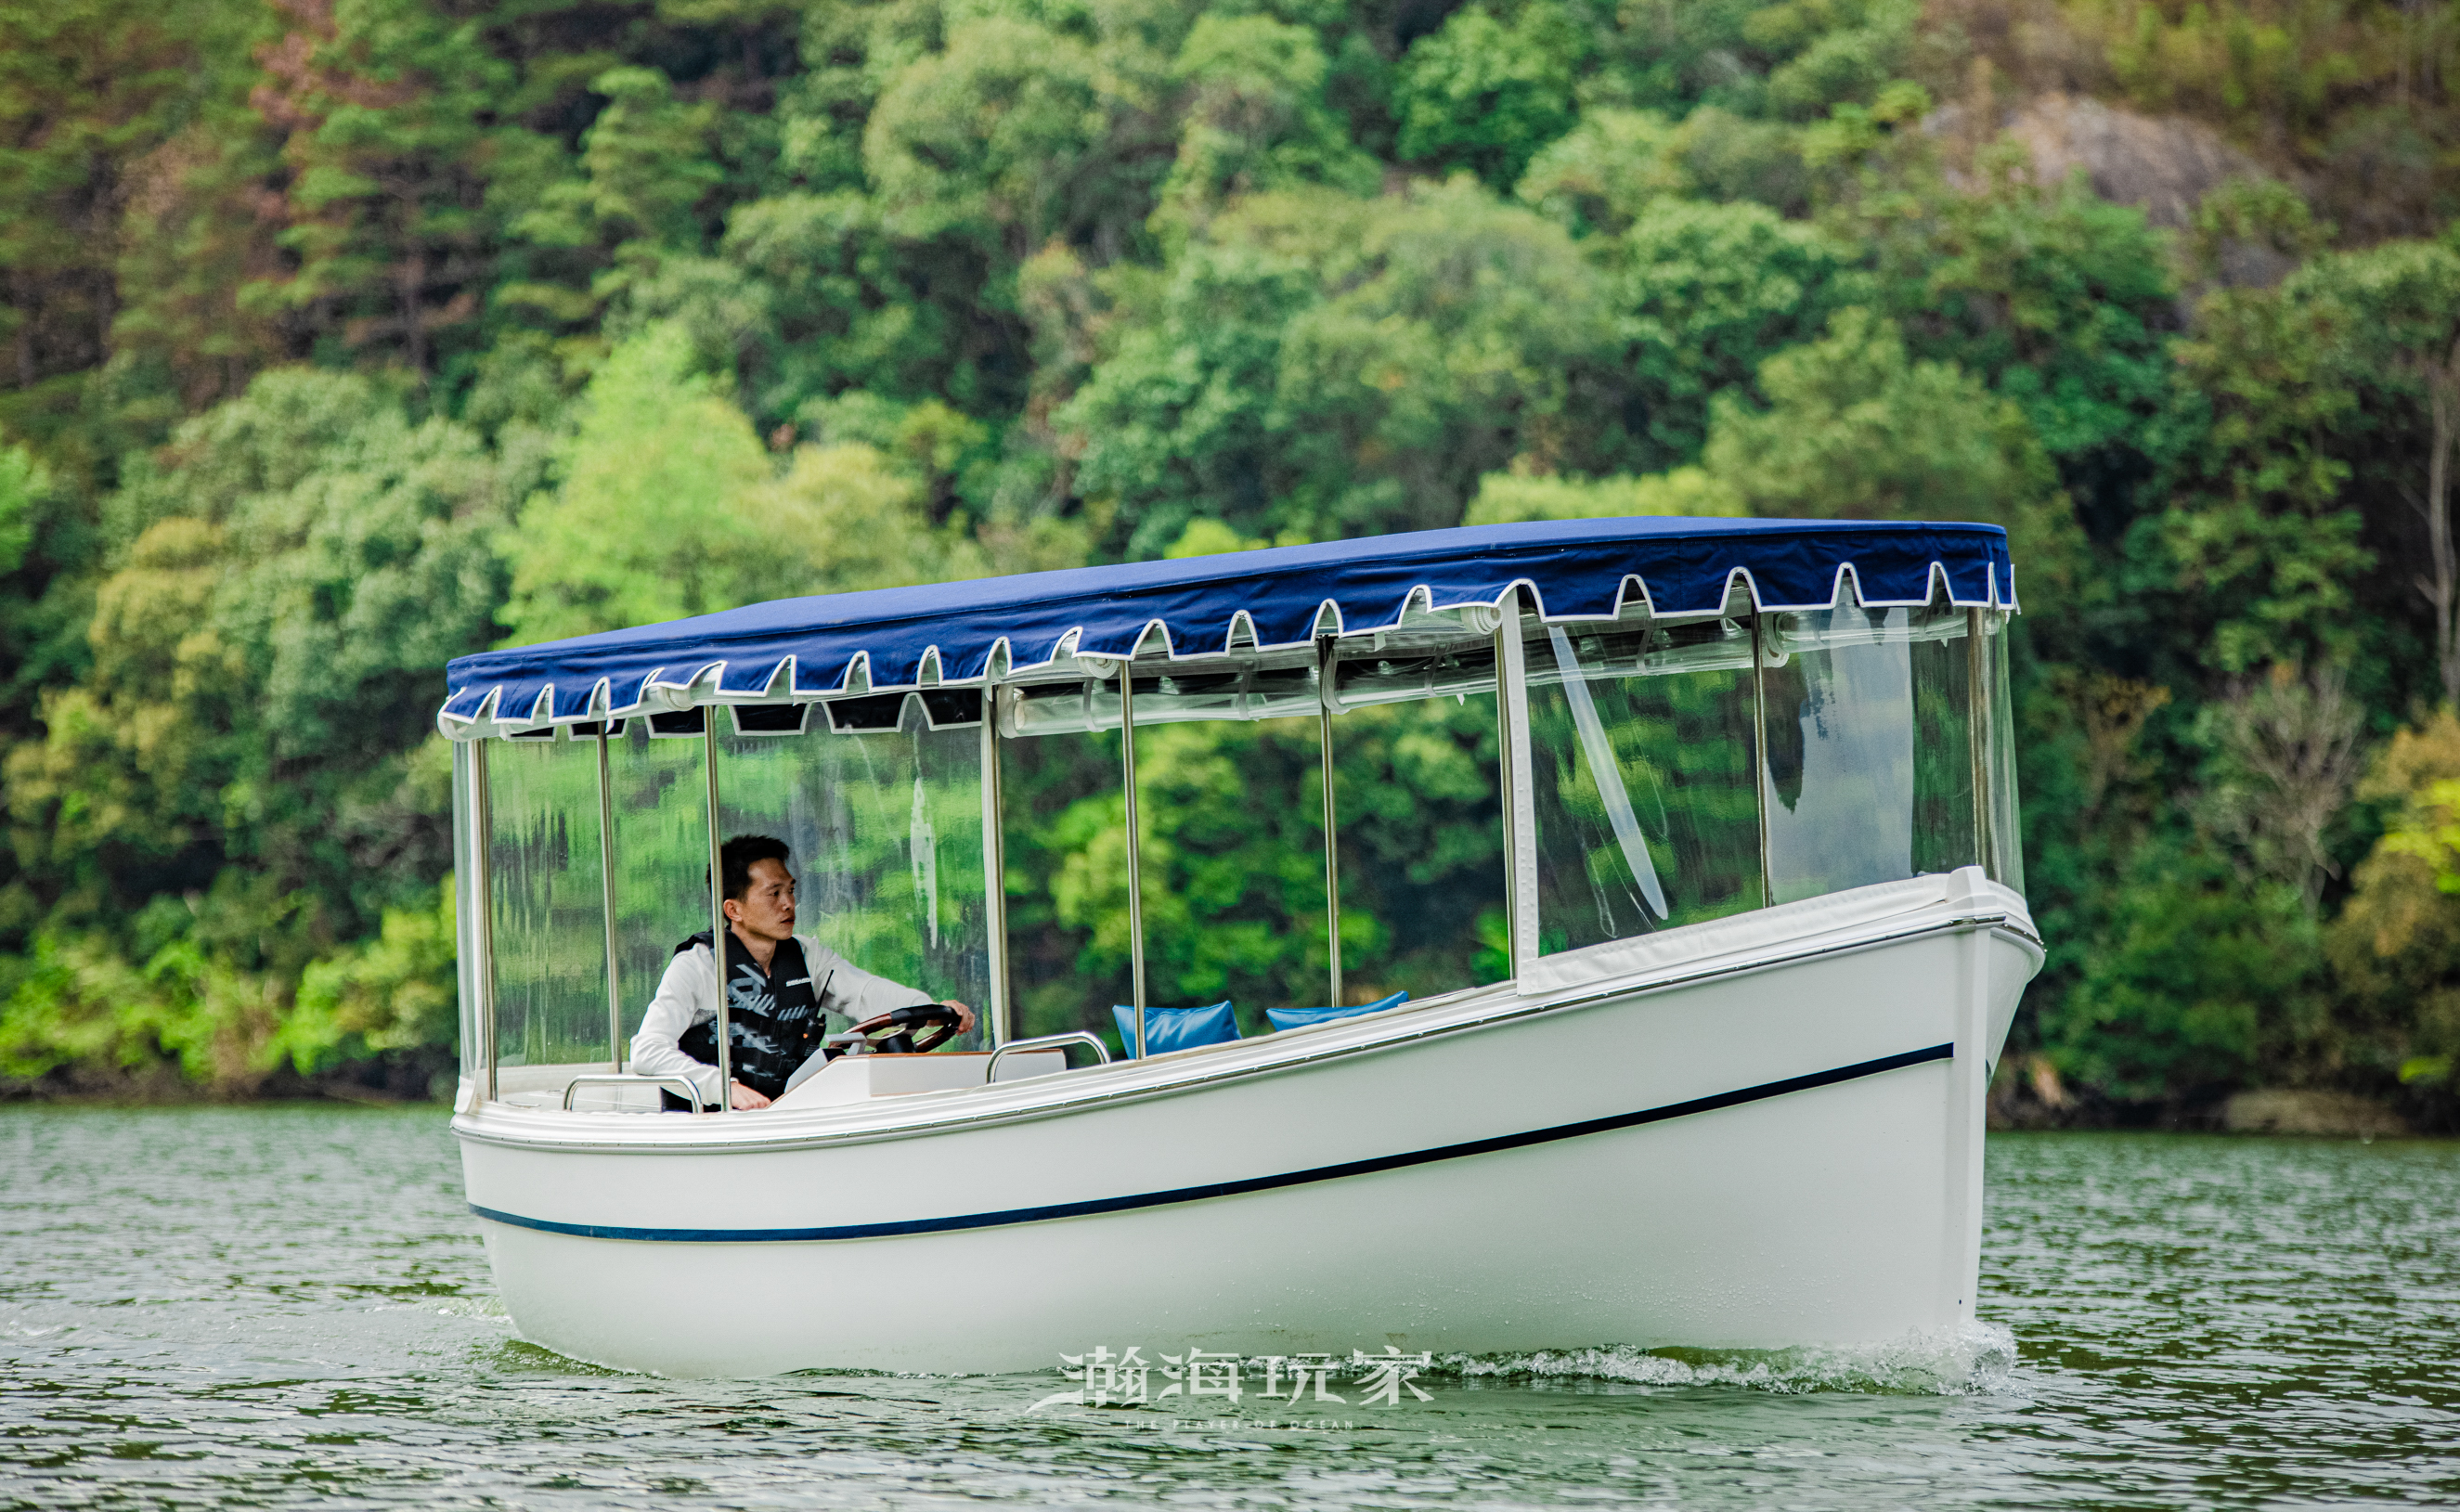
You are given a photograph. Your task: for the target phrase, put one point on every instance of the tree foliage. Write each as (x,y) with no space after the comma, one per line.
(338,337)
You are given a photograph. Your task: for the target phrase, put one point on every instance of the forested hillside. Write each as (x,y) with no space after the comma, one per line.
(344,336)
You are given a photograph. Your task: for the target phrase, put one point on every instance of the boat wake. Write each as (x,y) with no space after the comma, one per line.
(1974,1360)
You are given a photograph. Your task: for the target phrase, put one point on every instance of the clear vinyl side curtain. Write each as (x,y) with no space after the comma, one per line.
(1680,772)
(1675,771)
(547,912)
(885,826)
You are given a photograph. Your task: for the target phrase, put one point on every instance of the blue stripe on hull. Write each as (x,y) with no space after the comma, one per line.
(1233,1189)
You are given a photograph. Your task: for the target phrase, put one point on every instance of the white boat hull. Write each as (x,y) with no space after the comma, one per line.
(1760,1133)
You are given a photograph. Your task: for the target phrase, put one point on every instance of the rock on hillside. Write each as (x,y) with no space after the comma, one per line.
(2166,165)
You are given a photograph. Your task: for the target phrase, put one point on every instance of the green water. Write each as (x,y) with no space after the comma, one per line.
(260,1307)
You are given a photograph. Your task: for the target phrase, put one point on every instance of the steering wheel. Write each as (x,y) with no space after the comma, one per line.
(892,1033)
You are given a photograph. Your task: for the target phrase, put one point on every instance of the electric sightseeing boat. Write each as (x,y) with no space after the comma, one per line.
(1762,926)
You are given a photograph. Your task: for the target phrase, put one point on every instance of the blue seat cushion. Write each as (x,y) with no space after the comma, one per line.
(1168,1029)
(1300,1017)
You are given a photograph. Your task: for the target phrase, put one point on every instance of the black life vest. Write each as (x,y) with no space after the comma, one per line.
(774,1017)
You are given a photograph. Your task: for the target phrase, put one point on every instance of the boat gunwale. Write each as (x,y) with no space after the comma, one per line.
(484,1127)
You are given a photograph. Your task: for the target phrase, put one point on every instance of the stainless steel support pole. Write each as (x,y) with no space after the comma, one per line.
(717,913)
(607,900)
(1977,678)
(1519,797)
(994,870)
(1324,667)
(1136,868)
(482,896)
(1759,748)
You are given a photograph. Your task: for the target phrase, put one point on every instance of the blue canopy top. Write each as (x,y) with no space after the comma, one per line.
(947,632)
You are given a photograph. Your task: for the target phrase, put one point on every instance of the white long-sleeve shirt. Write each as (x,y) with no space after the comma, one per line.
(687,996)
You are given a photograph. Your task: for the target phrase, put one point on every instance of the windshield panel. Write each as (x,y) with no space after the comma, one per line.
(886,833)
(1640,755)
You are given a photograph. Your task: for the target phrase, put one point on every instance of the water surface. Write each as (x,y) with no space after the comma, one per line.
(288,1306)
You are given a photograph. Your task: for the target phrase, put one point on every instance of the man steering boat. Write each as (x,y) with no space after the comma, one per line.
(780,988)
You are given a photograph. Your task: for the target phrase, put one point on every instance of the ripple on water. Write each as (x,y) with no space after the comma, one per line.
(1978,1359)
(287,1306)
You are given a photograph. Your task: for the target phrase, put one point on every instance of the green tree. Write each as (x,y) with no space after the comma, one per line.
(649,519)
(394,993)
(275,612)
(1454,333)
(2401,304)
(1506,496)
(1857,428)
(1600,175)
(1256,119)
(46,545)
(668,506)
(851,516)
(1832,53)
(90,92)
(836,298)
(1321,367)
(387,107)
(1487,94)
(2061,302)
(2263,548)
(2397,945)
(1673,56)
(248,776)
(1704,294)
(2197,985)
(715,300)
(1018,133)
(648,175)
(24,484)
(1606,171)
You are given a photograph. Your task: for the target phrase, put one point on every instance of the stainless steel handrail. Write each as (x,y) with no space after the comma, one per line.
(990,1072)
(482,920)
(606,902)
(717,930)
(689,1093)
(1135,878)
(1518,785)
(1328,654)
(994,868)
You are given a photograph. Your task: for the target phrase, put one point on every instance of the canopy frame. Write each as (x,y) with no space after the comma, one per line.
(1420,624)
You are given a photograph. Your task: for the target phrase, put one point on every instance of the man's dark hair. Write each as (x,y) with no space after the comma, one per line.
(735,860)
